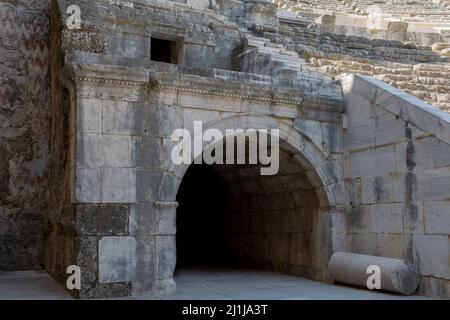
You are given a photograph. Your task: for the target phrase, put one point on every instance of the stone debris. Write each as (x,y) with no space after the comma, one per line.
(395,275)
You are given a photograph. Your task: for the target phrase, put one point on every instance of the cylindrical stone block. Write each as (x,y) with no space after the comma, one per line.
(396,275)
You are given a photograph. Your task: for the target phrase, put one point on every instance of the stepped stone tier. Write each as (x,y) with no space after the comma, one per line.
(357,90)
(350,36)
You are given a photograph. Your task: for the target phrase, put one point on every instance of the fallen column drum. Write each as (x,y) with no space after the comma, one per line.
(396,275)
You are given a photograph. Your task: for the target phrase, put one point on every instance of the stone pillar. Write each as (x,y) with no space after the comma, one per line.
(155,268)
(110,156)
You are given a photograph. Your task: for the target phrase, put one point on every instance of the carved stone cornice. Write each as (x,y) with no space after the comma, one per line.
(208,85)
(103,75)
(230,95)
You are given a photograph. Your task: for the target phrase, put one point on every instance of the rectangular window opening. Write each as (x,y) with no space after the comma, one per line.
(164,51)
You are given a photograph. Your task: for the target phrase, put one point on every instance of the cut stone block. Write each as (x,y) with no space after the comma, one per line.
(432,255)
(117,259)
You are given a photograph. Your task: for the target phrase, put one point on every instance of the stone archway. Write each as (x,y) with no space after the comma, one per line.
(323,171)
(291,230)
(127,175)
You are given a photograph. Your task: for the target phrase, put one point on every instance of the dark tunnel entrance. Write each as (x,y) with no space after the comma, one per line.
(200,218)
(231,216)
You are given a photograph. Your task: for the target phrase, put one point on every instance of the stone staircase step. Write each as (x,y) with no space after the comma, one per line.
(274,45)
(277,51)
(420,87)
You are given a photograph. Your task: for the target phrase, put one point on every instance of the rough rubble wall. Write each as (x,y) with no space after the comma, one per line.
(59,244)
(24,132)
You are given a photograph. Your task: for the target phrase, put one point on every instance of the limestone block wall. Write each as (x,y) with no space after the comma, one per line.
(93,223)
(24,132)
(113,34)
(204,37)
(252,221)
(397,169)
(112,206)
(272,223)
(121,231)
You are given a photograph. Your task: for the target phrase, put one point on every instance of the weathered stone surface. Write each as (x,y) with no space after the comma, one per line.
(164,257)
(379,146)
(377,190)
(117,259)
(88,185)
(389,129)
(128,45)
(396,246)
(437,217)
(90,115)
(432,253)
(118,185)
(413,195)
(146,152)
(386,218)
(25,126)
(396,275)
(364,167)
(104,150)
(119,117)
(373,162)
(360,135)
(435,287)
(98,220)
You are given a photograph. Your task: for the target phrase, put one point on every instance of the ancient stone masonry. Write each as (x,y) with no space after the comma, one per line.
(396,168)
(403,9)
(364,167)
(334,36)
(24,132)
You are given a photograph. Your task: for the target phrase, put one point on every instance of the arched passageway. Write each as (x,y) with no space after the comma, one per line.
(232,216)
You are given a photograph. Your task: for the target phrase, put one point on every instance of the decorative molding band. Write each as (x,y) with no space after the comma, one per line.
(103,81)
(229,95)
(112,81)
(157,86)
